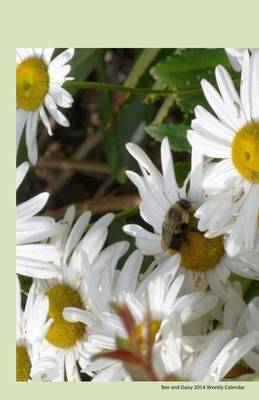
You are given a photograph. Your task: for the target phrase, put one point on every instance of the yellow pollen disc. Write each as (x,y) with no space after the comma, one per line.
(198,253)
(32,83)
(63,334)
(245,152)
(23,364)
(140,334)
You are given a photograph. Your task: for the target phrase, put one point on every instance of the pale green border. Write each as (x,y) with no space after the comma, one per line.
(97,23)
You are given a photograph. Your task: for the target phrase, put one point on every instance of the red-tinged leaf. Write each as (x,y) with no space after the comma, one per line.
(124,344)
(127,318)
(138,365)
(138,372)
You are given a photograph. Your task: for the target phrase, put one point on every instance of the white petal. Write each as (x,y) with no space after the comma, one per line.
(56,114)
(93,242)
(47,54)
(255,86)
(211,147)
(43,252)
(76,233)
(44,369)
(21,118)
(61,97)
(230,96)
(45,120)
(149,243)
(72,314)
(208,352)
(71,366)
(31,132)
(170,184)
(110,374)
(169,266)
(36,229)
(36,269)
(21,171)
(128,276)
(196,191)
(31,207)
(217,104)
(113,252)
(246,225)
(61,59)
(95,299)
(220,177)
(145,162)
(206,123)
(245,86)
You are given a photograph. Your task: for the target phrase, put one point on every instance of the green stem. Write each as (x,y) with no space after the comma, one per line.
(121,215)
(126,213)
(138,91)
(116,88)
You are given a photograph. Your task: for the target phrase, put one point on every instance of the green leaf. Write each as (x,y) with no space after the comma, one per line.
(251,291)
(151,97)
(245,282)
(25,283)
(164,109)
(182,168)
(140,66)
(188,100)
(186,70)
(130,123)
(175,133)
(22,154)
(139,72)
(123,344)
(110,136)
(183,73)
(136,371)
(83,62)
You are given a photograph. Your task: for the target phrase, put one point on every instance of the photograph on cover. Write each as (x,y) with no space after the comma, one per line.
(137,230)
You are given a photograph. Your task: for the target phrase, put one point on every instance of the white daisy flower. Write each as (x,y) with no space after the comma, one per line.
(232,184)
(160,288)
(39,83)
(212,357)
(242,325)
(31,327)
(64,338)
(236,56)
(216,317)
(34,259)
(203,261)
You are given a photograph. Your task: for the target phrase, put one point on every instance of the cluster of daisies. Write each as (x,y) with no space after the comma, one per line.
(203,236)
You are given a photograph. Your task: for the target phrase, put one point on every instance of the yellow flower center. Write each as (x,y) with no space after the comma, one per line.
(23,364)
(64,334)
(245,152)
(198,253)
(32,83)
(141,334)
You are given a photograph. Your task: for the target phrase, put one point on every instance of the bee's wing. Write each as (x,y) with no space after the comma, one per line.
(168,229)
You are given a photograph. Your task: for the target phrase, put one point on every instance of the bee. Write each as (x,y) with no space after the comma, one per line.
(175,225)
